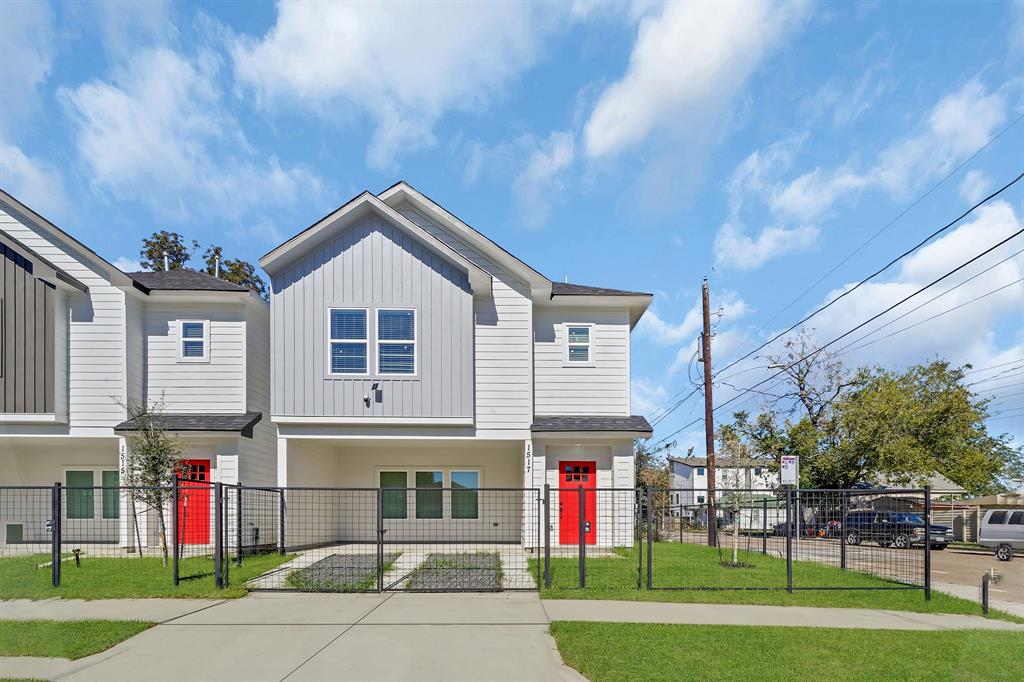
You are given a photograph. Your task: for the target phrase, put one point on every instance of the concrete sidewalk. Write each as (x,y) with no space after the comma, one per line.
(974,594)
(784,616)
(150,610)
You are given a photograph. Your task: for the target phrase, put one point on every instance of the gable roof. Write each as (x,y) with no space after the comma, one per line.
(183,279)
(721,462)
(42,268)
(347,215)
(567,289)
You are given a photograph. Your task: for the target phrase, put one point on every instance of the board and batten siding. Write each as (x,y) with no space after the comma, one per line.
(95,333)
(257,462)
(597,388)
(503,337)
(373,264)
(27,382)
(195,387)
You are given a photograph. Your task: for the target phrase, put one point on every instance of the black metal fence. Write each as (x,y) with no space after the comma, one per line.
(484,539)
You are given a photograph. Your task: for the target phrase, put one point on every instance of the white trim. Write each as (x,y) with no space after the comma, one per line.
(29,418)
(205,340)
(331,341)
(97,471)
(589,362)
(375,421)
(378,342)
(410,471)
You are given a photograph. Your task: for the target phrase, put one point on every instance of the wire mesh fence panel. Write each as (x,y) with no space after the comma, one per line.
(26,521)
(748,554)
(593,539)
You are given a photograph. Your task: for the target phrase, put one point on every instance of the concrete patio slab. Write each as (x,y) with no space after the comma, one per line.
(465,609)
(151,610)
(280,608)
(737,614)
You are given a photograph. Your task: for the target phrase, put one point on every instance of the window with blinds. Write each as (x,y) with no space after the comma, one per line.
(194,340)
(348,341)
(396,341)
(578,344)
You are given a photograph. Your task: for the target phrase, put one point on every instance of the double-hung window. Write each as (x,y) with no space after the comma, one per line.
(396,341)
(577,344)
(348,341)
(194,341)
(429,504)
(465,498)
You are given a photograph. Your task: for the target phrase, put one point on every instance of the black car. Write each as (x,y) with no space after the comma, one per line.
(901,530)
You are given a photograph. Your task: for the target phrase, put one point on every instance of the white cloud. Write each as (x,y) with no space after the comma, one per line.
(27,51)
(689,61)
(652,326)
(125,264)
(157,132)
(129,26)
(405,68)
(975,186)
(540,178)
(35,183)
(733,246)
(646,396)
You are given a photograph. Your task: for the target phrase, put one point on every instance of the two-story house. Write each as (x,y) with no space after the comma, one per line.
(409,351)
(689,477)
(82,340)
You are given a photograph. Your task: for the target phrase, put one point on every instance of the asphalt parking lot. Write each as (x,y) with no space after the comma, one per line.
(960,567)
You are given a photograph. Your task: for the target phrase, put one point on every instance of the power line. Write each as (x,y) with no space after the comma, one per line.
(879,271)
(876,316)
(998,388)
(1006,373)
(975,370)
(675,407)
(884,228)
(679,430)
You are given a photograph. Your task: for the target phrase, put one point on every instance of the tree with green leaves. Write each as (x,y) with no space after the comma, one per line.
(171,243)
(237,271)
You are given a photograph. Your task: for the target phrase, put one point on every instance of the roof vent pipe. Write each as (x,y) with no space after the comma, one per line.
(167,265)
(216,266)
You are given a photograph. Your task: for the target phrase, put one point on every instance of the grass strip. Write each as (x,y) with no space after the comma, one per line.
(64,639)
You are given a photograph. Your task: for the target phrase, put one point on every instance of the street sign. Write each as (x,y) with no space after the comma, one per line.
(790,470)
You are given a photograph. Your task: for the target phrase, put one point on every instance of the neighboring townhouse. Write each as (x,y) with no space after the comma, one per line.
(409,351)
(82,339)
(689,477)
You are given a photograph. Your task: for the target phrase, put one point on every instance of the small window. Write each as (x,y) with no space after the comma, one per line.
(194,341)
(1017,518)
(997,517)
(111,490)
(80,494)
(465,502)
(396,341)
(700,499)
(700,471)
(578,343)
(348,341)
(396,499)
(428,494)
(757,471)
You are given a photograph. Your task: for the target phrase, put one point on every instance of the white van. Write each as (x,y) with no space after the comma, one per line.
(1003,530)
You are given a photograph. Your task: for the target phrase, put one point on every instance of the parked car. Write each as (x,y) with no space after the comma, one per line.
(807,529)
(1003,530)
(901,530)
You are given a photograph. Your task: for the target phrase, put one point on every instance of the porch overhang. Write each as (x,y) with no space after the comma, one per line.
(571,426)
(197,424)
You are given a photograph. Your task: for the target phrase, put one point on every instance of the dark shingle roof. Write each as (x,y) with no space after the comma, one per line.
(721,462)
(241,423)
(182,280)
(634,423)
(567,289)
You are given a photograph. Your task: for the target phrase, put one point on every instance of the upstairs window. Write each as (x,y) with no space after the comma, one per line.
(578,343)
(194,341)
(396,341)
(348,341)
(700,471)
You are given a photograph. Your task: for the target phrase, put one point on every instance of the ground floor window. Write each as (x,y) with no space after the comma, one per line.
(81,493)
(431,500)
(429,504)
(395,501)
(465,502)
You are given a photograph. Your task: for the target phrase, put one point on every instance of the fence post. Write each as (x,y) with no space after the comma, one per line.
(218,545)
(650,549)
(238,524)
(927,543)
(789,540)
(764,526)
(380,539)
(55,535)
(174,528)
(844,504)
(985,579)
(582,508)
(638,537)
(547,535)
(280,523)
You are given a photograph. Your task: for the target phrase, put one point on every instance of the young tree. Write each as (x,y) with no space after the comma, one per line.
(173,244)
(237,271)
(152,461)
(652,471)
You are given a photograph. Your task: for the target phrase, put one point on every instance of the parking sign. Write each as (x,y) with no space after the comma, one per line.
(790,470)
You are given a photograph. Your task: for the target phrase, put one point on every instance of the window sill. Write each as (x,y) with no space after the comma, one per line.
(30,418)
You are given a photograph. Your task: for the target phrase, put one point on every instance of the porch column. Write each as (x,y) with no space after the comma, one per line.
(533,478)
(282,462)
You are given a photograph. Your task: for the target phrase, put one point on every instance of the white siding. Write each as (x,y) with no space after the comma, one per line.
(503,354)
(96,333)
(600,387)
(195,387)
(135,342)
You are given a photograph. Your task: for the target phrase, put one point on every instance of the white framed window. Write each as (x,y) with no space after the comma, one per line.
(465,498)
(578,350)
(396,341)
(193,340)
(430,493)
(347,341)
(85,486)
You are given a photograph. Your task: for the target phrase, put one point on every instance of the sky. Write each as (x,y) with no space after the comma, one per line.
(784,151)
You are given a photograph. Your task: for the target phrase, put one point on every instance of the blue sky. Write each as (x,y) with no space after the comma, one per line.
(636,145)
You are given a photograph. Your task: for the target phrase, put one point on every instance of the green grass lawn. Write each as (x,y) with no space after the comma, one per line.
(64,639)
(102,578)
(695,565)
(606,652)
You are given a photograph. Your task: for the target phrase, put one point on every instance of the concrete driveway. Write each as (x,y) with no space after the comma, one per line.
(295,637)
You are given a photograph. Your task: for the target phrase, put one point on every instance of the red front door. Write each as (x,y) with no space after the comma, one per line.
(194,503)
(573,475)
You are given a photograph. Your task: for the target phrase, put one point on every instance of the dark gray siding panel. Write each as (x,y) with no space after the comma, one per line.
(27,369)
(372,265)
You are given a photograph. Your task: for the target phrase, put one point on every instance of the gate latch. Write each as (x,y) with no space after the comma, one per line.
(586,526)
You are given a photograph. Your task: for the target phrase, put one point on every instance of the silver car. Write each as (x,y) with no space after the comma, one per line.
(1003,530)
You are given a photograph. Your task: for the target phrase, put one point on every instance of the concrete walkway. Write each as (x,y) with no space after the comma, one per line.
(150,610)
(974,594)
(784,616)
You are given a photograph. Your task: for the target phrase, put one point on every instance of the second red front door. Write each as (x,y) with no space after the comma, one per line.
(572,476)
(194,503)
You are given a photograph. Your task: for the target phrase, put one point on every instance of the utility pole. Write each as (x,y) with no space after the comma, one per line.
(709,420)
